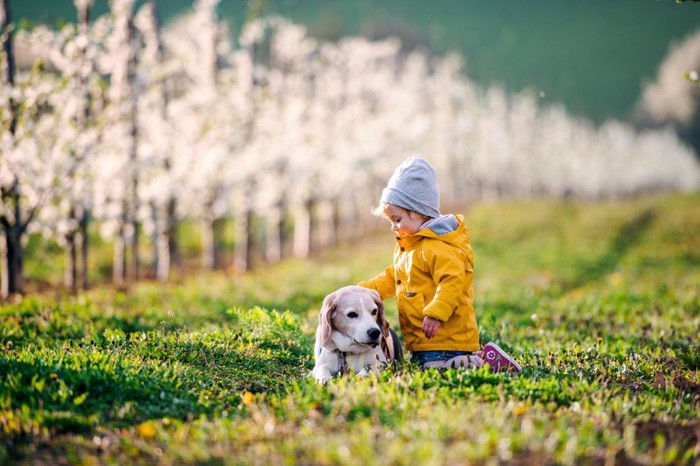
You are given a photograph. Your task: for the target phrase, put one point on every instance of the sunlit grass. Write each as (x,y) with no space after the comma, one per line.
(599,302)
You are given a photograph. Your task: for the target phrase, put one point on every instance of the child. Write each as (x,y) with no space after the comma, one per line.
(432,274)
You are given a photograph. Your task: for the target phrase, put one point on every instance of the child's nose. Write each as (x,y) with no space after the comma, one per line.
(394,226)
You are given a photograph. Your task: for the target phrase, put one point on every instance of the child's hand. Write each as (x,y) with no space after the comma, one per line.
(430,327)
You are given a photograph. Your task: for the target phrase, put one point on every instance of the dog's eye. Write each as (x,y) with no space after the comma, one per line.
(374,312)
(352,315)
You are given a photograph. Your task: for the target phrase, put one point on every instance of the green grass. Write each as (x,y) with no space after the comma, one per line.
(599,302)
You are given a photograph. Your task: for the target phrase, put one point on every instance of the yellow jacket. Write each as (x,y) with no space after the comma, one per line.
(432,275)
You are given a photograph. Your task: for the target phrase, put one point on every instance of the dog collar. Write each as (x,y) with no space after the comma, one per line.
(342,362)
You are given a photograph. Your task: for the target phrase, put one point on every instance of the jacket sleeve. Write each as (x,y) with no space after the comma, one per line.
(383,283)
(448,271)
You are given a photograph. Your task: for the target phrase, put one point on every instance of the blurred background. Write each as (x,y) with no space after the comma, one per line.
(267,129)
(594,56)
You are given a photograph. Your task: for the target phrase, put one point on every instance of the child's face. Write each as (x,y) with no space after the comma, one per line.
(403,222)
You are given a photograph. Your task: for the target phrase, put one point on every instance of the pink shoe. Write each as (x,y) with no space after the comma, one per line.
(498,359)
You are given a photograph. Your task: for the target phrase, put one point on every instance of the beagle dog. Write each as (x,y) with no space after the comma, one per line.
(353,335)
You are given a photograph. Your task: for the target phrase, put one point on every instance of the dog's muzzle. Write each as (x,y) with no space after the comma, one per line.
(374,335)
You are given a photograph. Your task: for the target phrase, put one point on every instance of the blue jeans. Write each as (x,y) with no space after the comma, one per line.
(422,357)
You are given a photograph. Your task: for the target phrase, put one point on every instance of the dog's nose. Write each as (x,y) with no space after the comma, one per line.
(374,333)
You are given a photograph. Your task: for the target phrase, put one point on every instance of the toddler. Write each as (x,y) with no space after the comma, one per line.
(432,275)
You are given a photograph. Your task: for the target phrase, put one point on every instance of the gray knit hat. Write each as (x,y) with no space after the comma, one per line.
(413,186)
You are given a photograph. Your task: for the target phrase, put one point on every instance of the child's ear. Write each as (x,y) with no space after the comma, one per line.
(416,216)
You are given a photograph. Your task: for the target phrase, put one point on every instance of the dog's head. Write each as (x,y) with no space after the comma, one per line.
(352,318)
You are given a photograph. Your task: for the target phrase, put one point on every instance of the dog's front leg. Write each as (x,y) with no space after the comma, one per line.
(322,373)
(325,362)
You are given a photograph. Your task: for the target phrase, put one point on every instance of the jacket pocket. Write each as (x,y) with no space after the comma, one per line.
(411,306)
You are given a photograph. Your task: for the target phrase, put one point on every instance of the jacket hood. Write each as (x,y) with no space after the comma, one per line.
(448,228)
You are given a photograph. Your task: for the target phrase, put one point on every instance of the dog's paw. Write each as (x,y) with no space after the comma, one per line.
(322,376)
(368,371)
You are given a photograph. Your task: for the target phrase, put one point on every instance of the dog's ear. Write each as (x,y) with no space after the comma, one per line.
(325,319)
(381,319)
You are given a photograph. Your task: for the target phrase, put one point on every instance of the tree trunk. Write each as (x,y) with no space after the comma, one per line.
(364,221)
(135,264)
(172,234)
(273,236)
(4,267)
(157,255)
(70,278)
(165,248)
(326,224)
(6,35)
(208,244)
(12,274)
(243,253)
(12,279)
(119,259)
(84,244)
(133,204)
(340,223)
(211,241)
(162,265)
(283,233)
(72,238)
(302,230)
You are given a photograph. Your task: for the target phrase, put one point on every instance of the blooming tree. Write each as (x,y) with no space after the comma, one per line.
(118,166)
(284,134)
(73,53)
(671,99)
(157,142)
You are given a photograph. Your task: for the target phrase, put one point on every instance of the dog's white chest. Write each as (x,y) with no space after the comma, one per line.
(360,362)
(330,363)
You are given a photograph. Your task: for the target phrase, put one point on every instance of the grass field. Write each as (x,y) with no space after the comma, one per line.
(599,302)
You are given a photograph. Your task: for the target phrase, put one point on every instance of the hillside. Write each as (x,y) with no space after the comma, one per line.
(592,56)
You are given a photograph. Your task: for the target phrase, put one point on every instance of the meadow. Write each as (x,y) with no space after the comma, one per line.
(599,302)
